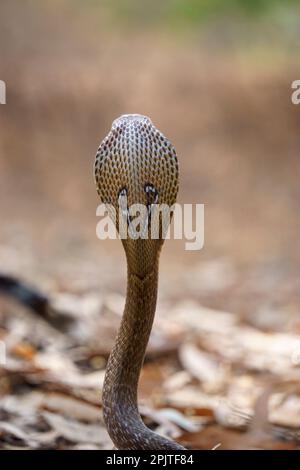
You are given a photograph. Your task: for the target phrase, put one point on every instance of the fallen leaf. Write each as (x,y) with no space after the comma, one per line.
(76,432)
(284,410)
(24,351)
(203,367)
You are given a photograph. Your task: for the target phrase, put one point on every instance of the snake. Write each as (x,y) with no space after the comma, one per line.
(135,160)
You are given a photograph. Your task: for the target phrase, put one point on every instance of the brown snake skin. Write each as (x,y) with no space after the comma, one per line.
(137,160)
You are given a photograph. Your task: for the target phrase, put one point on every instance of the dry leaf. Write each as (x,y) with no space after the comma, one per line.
(284,410)
(24,351)
(203,367)
(76,432)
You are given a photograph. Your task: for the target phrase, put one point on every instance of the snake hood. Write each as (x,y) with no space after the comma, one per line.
(137,164)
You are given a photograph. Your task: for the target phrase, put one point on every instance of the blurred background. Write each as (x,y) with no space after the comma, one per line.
(216,78)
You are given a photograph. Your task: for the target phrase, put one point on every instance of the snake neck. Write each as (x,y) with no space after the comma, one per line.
(120,409)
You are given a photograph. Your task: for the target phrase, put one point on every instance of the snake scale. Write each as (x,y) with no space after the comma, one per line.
(135,159)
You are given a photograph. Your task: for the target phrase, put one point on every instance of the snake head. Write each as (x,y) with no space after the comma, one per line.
(136,164)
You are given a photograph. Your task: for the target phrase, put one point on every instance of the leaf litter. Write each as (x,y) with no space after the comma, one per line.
(211,378)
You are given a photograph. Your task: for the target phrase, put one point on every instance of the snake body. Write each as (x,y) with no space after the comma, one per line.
(137,160)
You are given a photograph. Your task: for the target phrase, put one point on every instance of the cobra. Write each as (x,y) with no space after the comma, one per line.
(137,161)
